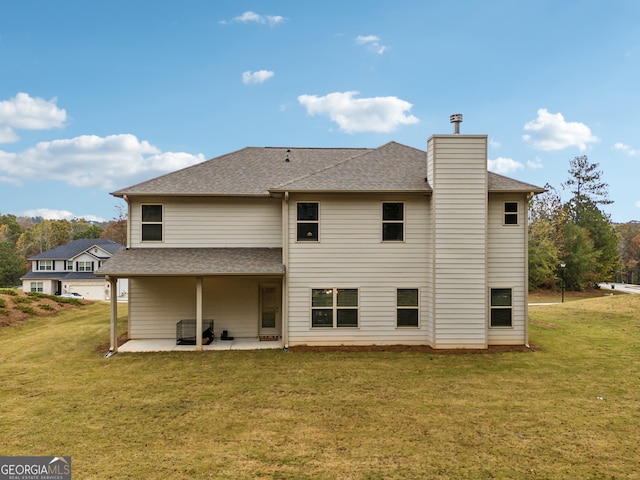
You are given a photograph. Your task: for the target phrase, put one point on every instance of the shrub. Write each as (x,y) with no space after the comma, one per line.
(3,303)
(4,312)
(27,309)
(19,300)
(46,307)
(9,291)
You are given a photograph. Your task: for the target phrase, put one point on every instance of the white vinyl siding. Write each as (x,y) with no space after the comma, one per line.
(351,255)
(214,222)
(507,254)
(157,304)
(459,181)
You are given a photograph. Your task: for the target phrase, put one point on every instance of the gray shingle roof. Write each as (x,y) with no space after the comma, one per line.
(144,262)
(260,170)
(76,247)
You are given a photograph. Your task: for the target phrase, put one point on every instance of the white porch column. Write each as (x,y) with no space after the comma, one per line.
(113,287)
(199,314)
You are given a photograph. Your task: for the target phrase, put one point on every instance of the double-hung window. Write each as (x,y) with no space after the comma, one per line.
(334,307)
(407,307)
(511,213)
(501,307)
(36,287)
(85,266)
(152,223)
(392,221)
(45,265)
(307,222)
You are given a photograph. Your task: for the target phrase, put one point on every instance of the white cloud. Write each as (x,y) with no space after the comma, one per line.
(260,76)
(371,41)
(353,115)
(49,214)
(93,162)
(24,112)
(535,163)
(252,17)
(550,131)
(504,165)
(494,144)
(626,149)
(638,204)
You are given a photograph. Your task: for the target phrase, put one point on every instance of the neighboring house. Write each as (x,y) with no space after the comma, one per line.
(71,268)
(331,246)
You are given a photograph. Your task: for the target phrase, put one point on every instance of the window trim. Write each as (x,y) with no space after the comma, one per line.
(36,287)
(316,222)
(334,308)
(402,222)
(510,214)
(500,307)
(408,307)
(143,223)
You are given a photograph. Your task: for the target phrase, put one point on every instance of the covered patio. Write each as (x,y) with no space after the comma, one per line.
(173,284)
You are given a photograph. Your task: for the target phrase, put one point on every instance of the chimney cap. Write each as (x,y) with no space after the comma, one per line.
(456,119)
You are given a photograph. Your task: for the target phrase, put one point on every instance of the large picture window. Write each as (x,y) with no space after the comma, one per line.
(392,221)
(152,216)
(334,307)
(501,307)
(407,307)
(307,221)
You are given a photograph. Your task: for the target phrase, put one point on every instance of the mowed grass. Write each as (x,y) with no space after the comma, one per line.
(569,410)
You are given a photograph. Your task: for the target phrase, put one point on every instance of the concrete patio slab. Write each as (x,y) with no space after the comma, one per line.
(164,345)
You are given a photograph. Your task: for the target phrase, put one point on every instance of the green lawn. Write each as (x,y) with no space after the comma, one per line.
(571,409)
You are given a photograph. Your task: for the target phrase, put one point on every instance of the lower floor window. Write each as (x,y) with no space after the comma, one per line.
(501,307)
(407,307)
(334,307)
(36,287)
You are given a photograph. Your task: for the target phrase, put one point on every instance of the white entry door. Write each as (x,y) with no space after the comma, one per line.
(270,302)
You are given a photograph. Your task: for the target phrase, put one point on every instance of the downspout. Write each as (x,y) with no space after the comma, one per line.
(285,261)
(198,314)
(526,272)
(113,341)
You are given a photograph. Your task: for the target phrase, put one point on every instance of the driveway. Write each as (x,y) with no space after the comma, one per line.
(621,287)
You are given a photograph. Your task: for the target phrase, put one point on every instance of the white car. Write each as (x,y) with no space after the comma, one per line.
(72,295)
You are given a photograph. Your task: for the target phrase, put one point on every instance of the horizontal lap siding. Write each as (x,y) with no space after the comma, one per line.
(214,222)
(350,254)
(459,176)
(507,265)
(157,304)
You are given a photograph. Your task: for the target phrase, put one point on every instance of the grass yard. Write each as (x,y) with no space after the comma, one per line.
(569,410)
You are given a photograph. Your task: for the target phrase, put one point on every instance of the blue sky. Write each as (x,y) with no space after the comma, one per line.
(96,96)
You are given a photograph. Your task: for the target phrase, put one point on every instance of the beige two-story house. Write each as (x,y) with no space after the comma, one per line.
(331,246)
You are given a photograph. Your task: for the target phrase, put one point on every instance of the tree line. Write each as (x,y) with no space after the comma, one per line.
(576,240)
(22,238)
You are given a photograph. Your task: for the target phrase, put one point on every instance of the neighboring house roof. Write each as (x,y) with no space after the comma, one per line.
(31,275)
(393,167)
(76,247)
(146,262)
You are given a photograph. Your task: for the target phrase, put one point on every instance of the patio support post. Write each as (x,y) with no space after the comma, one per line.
(113,288)
(199,314)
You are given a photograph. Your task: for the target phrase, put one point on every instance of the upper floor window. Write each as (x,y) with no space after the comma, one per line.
(334,307)
(69,265)
(501,307)
(392,221)
(407,307)
(307,222)
(152,216)
(85,266)
(45,265)
(511,213)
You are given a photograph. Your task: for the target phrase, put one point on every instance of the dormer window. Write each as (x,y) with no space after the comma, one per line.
(152,216)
